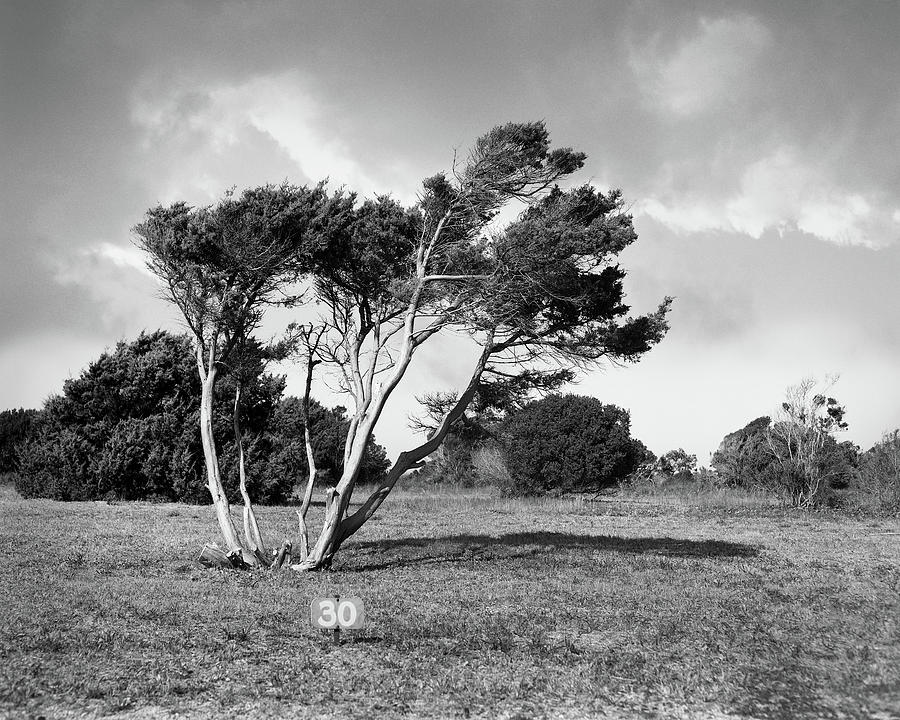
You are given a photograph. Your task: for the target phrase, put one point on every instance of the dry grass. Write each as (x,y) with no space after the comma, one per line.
(477,606)
(701,495)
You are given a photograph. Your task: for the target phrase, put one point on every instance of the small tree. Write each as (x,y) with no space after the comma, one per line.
(677,463)
(799,440)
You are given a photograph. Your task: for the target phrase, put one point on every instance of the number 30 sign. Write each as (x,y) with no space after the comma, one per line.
(331,613)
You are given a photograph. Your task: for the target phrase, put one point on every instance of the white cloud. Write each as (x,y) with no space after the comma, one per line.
(200,129)
(706,69)
(779,191)
(121,256)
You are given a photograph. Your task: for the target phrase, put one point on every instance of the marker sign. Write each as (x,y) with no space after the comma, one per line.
(333,613)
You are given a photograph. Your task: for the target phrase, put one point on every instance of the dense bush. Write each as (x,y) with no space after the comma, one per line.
(454,462)
(277,458)
(117,428)
(462,463)
(128,427)
(744,458)
(756,458)
(876,486)
(14,428)
(568,443)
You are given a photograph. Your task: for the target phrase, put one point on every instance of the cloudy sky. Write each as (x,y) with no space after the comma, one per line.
(758,145)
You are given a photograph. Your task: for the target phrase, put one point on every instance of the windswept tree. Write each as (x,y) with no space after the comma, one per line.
(221,266)
(539,296)
(539,300)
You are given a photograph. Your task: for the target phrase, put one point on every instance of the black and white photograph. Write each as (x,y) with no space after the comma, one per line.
(450,359)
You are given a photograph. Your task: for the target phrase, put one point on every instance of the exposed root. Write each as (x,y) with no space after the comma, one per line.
(212,556)
(284,552)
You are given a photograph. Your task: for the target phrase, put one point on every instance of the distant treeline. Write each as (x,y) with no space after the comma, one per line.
(128,428)
(808,471)
(571,443)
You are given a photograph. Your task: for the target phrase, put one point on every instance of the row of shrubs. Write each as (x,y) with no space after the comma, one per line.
(565,444)
(128,428)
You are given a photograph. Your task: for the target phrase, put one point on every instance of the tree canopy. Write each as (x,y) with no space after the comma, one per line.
(542,299)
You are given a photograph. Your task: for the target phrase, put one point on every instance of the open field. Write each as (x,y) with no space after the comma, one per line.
(477,607)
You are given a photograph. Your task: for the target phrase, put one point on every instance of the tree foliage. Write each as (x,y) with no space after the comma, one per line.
(127,427)
(876,486)
(15,426)
(744,458)
(222,264)
(541,299)
(569,443)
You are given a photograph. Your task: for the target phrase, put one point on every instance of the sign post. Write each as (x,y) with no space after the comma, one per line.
(336,614)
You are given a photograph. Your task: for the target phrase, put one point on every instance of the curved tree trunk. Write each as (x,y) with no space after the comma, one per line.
(310,482)
(213,478)
(337,527)
(252,535)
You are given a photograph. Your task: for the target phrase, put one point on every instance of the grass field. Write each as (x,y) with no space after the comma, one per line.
(477,607)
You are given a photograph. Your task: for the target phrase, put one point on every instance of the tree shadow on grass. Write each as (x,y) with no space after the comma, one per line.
(383,554)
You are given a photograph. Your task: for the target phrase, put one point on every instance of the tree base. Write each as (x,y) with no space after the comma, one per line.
(212,556)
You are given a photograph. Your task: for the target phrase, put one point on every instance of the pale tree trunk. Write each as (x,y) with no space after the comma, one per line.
(311,362)
(369,405)
(337,527)
(213,478)
(337,498)
(311,464)
(307,494)
(252,535)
